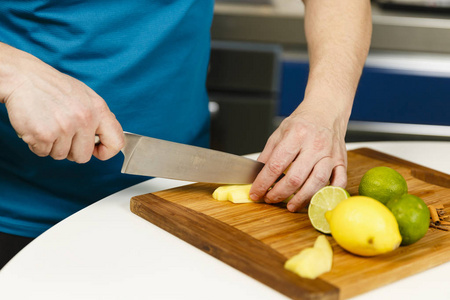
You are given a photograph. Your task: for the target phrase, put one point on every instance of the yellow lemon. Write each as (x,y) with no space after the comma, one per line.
(383,184)
(364,226)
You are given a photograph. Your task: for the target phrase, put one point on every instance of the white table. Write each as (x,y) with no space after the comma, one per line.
(106,252)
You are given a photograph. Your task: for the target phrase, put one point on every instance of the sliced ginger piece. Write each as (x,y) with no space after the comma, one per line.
(323,244)
(313,261)
(221,193)
(239,193)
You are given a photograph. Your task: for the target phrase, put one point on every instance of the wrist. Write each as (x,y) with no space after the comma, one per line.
(330,109)
(9,75)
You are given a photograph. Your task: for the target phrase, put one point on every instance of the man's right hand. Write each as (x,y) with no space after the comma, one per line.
(55,114)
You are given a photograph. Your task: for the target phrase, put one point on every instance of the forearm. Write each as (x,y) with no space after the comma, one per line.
(338,35)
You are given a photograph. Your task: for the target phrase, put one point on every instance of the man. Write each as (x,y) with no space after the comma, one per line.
(70,70)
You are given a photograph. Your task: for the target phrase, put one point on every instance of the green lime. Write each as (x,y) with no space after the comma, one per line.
(324,200)
(383,184)
(413,217)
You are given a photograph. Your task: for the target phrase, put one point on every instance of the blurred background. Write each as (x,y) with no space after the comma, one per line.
(259,68)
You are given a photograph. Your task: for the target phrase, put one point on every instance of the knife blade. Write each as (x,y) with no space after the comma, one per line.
(159,158)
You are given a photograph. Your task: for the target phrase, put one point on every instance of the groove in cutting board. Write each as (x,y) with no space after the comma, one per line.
(420,172)
(257,238)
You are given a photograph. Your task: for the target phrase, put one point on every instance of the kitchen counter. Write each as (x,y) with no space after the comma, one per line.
(281,22)
(106,252)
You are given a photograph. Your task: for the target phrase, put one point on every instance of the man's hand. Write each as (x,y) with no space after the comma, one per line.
(312,148)
(55,114)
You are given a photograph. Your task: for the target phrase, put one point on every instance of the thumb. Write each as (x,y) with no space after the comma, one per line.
(111,138)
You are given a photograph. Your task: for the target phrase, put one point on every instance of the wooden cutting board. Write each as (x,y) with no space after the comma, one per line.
(257,238)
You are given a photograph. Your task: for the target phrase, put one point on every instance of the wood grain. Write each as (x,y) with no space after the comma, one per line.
(257,238)
(231,246)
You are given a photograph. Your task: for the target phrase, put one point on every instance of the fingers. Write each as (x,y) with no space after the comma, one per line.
(41,149)
(318,178)
(77,146)
(59,116)
(47,144)
(298,144)
(111,136)
(295,178)
(265,179)
(339,177)
(278,159)
(69,134)
(81,148)
(61,148)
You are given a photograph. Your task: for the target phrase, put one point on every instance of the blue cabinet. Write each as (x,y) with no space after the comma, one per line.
(383,95)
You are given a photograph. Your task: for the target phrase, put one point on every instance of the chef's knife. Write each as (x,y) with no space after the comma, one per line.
(158,158)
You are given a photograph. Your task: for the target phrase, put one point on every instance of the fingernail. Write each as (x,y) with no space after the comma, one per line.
(254,197)
(291,207)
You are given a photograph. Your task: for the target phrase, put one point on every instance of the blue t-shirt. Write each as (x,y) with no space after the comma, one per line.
(147,58)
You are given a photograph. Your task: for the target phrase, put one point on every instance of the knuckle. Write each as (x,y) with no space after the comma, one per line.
(39,151)
(271,141)
(275,167)
(99,105)
(341,162)
(80,159)
(319,143)
(258,189)
(280,197)
(322,141)
(58,156)
(301,131)
(294,180)
(84,160)
(40,154)
(28,139)
(83,117)
(321,178)
(272,196)
(43,137)
(65,127)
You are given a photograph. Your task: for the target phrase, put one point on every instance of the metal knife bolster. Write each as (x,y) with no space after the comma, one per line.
(158,158)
